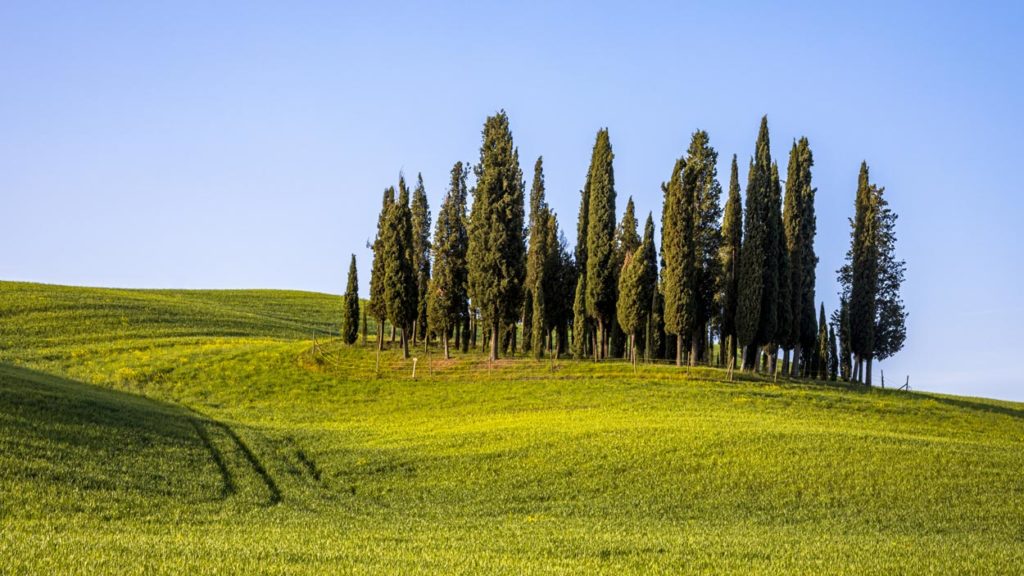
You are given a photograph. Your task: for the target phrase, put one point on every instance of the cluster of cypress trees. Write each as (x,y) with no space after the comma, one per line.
(742,278)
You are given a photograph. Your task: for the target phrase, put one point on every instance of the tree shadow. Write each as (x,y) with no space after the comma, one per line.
(976,405)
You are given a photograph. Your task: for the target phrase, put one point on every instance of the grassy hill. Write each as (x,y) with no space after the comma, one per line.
(199,432)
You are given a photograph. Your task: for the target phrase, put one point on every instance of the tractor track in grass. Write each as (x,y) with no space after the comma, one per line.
(227,479)
(229,484)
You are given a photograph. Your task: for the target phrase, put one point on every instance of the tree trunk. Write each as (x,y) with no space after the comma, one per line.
(795,366)
(444,340)
(679,350)
(405,343)
(380,334)
(867,374)
(785,362)
(495,340)
(695,346)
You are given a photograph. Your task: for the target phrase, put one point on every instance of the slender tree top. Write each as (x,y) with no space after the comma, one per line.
(601,230)
(627,237)
(537,200)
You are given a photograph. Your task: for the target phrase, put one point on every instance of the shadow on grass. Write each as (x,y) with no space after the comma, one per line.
(67,411)
(975,405)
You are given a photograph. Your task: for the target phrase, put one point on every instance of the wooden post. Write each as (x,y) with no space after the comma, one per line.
(414,367)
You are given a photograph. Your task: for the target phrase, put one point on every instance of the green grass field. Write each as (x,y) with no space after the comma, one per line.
(198,432)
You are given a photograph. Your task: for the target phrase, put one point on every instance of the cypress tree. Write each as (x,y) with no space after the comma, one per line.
(808,230)
(833,364)
(631,305)
(871,279)
(758,279)
(648,285)
(701,176)
(842,319)
(677,250)
(776,283)
(536,255)
(350,310)
(497,249)
(600,285)
(378,303)
(627,240)
(823,346)
(447,300)
(421,254)
(400,291)
(732,234)
(863,275)
(582,228)
(792,216)
(890,315)
(539,327)
(579,329)
(560,289)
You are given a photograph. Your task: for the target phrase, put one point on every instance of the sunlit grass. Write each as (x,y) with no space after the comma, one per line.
(199,432)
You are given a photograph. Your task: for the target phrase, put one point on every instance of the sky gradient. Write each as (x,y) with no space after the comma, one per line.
(223,145)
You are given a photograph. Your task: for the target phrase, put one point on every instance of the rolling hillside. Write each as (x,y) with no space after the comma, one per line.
(158,431)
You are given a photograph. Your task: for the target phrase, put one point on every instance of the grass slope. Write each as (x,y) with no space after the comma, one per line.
(196,431)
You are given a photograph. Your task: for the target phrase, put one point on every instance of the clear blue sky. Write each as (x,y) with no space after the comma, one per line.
(219,144)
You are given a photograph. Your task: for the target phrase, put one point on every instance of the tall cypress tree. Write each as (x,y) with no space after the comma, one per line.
(732,235)
(871,280)
(823,346)
(579,323)
(756,312)
(841,318)
(792,221)
(680,261)
(560,283)
(378,302)
(400,291)
(649,285)
(627,240)
(582,229)
(600,285)
(551,313)
(497,248)
(808,258)
(833,356)
(536,255)
(863,275)
(350,311)
(777,283)
(702,171)
(421,254)
(447,301)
